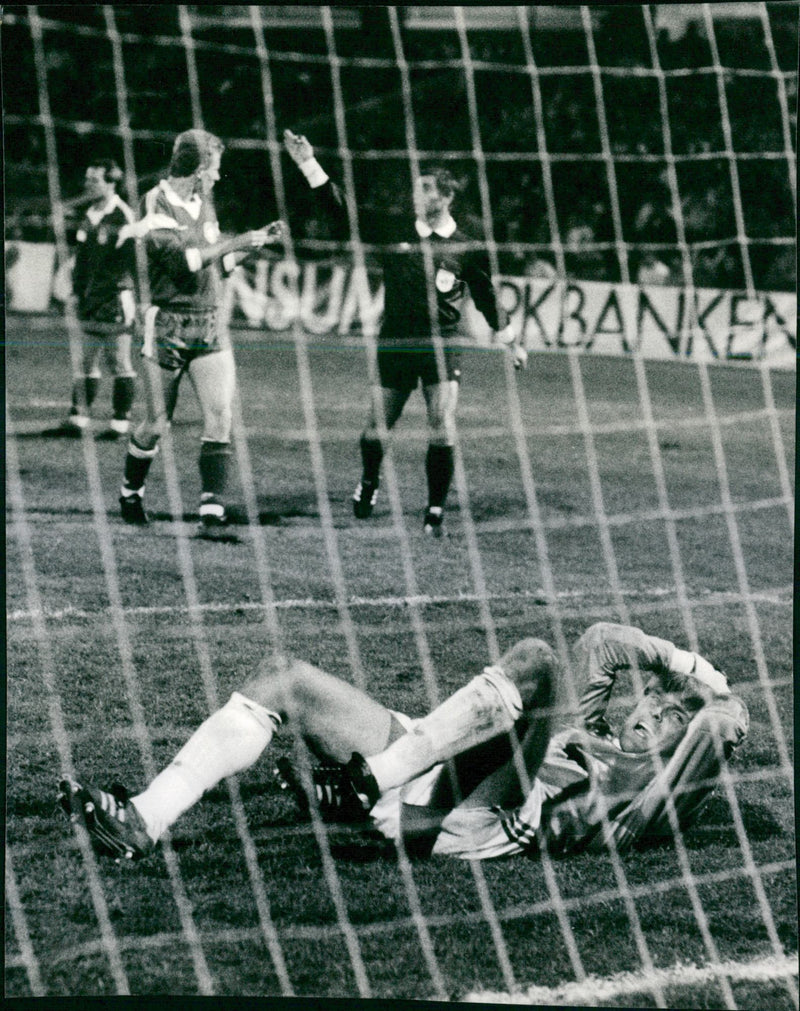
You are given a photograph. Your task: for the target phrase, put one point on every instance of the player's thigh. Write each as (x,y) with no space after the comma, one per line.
(334,716)
(387,403)
(160,387)
(214,379)
(441,401)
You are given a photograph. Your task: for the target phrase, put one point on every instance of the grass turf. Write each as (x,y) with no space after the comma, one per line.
(171,644)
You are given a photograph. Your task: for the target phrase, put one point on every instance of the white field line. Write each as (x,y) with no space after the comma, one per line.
(412,433)
(779,596)
(594,989)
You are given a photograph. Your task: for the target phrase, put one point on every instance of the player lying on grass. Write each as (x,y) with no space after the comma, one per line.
(513,784)
(412,296)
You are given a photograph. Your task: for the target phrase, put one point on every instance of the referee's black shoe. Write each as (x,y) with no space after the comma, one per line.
(364,498)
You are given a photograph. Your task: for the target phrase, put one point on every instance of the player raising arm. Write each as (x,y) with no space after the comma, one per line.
(406,352)
(513,784)
(183,333)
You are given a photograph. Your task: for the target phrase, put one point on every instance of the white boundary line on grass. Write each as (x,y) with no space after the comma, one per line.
(594,989)
(779,596)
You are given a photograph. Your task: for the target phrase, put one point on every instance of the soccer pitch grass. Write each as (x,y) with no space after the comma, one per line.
(73,644)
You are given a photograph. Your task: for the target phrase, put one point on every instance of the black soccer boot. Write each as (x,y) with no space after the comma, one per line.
(131,508)
(114,825)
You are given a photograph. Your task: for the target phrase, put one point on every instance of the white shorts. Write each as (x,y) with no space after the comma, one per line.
(471,833)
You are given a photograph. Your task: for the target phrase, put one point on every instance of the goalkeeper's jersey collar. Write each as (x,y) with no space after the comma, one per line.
(444,231)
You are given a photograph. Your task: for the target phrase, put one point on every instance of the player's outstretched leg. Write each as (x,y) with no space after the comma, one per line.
(113,823)
(229,741)
(489,705)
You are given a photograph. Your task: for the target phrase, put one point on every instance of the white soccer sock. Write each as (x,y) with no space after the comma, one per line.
(489,705)
(230,740)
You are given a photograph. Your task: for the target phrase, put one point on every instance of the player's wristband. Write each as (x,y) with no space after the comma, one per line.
(314,172)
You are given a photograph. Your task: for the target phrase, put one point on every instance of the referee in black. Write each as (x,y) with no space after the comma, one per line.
(406,352)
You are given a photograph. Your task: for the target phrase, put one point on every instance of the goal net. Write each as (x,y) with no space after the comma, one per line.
(631,172)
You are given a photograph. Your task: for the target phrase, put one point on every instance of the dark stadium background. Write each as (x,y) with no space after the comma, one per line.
(81,83)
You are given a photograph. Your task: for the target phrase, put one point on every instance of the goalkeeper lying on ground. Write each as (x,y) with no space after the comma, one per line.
(513,784)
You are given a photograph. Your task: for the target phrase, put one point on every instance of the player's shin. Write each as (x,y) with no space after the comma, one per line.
(213,465)
(439,472)
(137,464)
(371,458)
(122,394)
(229,741)
(489,705)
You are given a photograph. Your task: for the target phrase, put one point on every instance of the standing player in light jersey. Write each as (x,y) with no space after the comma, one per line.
(513,784)
(183,333)
(102,286)
(406,354)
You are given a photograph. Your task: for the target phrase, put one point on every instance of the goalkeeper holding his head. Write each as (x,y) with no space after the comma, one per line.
(406,352)
(486,773)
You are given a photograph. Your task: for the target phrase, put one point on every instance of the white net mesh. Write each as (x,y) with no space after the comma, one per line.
(603,151)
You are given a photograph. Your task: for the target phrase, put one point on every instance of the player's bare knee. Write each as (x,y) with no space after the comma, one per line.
(272,681)
(598,633)
(533,667)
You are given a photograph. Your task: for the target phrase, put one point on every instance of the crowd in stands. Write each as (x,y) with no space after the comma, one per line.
(650,217)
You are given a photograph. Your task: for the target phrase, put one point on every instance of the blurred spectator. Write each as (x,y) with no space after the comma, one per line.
(539,267)
(653,271)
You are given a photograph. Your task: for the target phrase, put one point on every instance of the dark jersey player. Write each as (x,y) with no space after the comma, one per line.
(458,782)
(182,331)
(102,289)
(406,348)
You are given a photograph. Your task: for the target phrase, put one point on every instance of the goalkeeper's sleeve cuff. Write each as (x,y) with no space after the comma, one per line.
(314,172)
(685,662)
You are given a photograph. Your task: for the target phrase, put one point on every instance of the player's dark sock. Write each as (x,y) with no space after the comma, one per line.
(87,387)
(137,464)
(439,469)
(371,457)
(122,394)
(214,467)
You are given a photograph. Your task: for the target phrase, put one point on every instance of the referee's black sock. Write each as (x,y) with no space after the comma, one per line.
(439,469)
(371,457)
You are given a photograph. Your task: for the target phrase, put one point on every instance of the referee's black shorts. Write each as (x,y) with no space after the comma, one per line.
(403,368)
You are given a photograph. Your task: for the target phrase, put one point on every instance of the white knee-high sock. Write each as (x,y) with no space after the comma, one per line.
(489,705)
(230,740)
